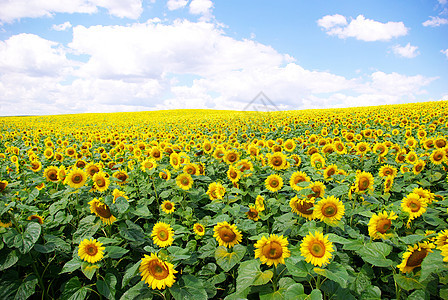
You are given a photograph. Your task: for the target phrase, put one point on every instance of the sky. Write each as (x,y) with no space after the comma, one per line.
(98,56)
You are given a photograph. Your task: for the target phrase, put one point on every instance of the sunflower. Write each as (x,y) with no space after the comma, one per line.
(39,219)
(273,183)
(3,185)
(400,157)
(440,142)
(438,156)
(162,234)
(157,273)
(101,209)
(165,174)
(272,250)
(91,250)
(148,164)
(36,166)
(259,203)
(297,160)
(330,171)
(231,156)
(48,153)
(80,164)
(340,147)
(418,167)
(442,239)
(414,256)
(289,145)
(414,205)
(277,161)
(100,181)
(122,176)
(199,229)
(296,178)
(92,169)
(330,210)
(175,160)
(184,181)
(388,184)
(444,253)
(51,173)
(316,249)
(76,178)
(303,207)
(191,168)
(363,182)
(168,206)
(411,157)
(253,213)
(318,189)
(380,224)
(70,151)
(424,194)
(227,235)
(40,186)
(216,191)
(233,174)
(244,165)
(362,148)
(117,193)
(156,153)
(219,153)
(207,147)
(380,149)
(387,170)
(317,161)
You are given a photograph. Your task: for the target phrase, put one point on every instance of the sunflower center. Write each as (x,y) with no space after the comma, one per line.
(438,156)
(168,206)
(100,182)
(317,249)
(199,229)
(91,250)
(277,161)
(77,178)
(163,235)
(184,181)
(363,183)
(416,258)
(329,210)
(122,177)
(231,157)
(273,250)
(103,211)
(53,175)
(305,207)
(227,235)
(35,166)
(331,172)
(383,225)
(252,213)
(274,183)
(175,161)
(418,168)
(414,205)
(158,270)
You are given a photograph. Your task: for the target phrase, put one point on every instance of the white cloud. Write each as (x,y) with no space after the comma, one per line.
(18,9)
(176,4)
(203,8)
(445,52)
(62,27)
(361,28)
(407,51)
(435,22)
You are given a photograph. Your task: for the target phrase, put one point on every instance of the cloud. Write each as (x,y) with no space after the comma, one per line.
(435,22)
(445,52)
(18,9)
(62,27)
(201,7)
(361,28)
(407,51)
(176,4)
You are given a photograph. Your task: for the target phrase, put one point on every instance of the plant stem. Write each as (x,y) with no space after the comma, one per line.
(39,278)
(274,279)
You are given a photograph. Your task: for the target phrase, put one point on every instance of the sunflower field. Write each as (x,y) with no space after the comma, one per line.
(204,204)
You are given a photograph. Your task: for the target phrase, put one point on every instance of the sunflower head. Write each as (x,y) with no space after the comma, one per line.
(253,213)
(216,191)
(317,249)
(100,181)
(296,178)
(363,182)
(259,203)
(414,256)
(227,235)
(168,206)
(3,185)
(158,274)
(184,181)
(165,174)
(330,210)
(303,207)
(379,225)
(199,229)
(101,209)
(162,234)
(273,183)
(90,250)
(272,250)
(36,218)
(76,178)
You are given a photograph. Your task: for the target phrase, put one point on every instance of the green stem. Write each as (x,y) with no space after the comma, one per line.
(39,278)
(318,281)
(274,279)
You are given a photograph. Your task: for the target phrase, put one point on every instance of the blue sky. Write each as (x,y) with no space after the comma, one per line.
(78,56)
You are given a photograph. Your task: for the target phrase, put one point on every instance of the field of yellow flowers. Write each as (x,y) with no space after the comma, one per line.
(200,204)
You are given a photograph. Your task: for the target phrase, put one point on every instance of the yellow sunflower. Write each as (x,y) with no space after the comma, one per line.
(91,250)
(162,234)
(168,206)
(101,209)
(175,160)
(157,273)
(199,229)
(92,169)
(363,182)
(442,239)
(418,167)
(438,156)
(233,174)
(272,250)
(444,253)
(259,203)
(100,181)
(297,160)
(165,174)
(388,184)
(273,183)
(317,161)
(148,164)
(253,213)
(216,191)
(76,178)
(289,145)
(191,168)
(3,185)
(330,210)
(184,181)
(414,256)
(231,156)
(38,218)
(156,153)
(277,161)
(318,189)
(51,173)
(380,224)
(303,207)
(330,171)
(40,186)
(227,235)
(316,249)
(36,165)
(387,170)
(296,178)
(117,193)
(414,205)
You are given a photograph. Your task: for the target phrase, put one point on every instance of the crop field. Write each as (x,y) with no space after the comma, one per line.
(206,204)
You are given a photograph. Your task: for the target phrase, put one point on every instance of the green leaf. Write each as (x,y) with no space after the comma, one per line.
(407,283)
(138,291)
(89,269)
(107,287)
(130,273)
(107,241)
(339,191)
(189,287)
(371,293)
(362,279)
(33,195)
(263,277)
(165,194)
(87,228)
(122,204)
(8,259)
(73,290)
(375,254)
(226,260)
(432,264)
(249,273)
(297,266)
(115,251)
(334,272)
(412,239)
(417,295)
(294,291)
(29,237)
(27,288)
(132,232)
(315,295)
(337,239)
(71,265)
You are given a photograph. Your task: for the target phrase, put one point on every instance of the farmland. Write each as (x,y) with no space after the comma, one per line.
(324,204)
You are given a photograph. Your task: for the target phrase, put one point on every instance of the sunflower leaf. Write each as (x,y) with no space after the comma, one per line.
(8,260)
(29,237)
(107,287)
(189,287)
(407,283)
(27,288)
(86,228)
(433,263)
(89,269)
(73,290)
(227,260)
